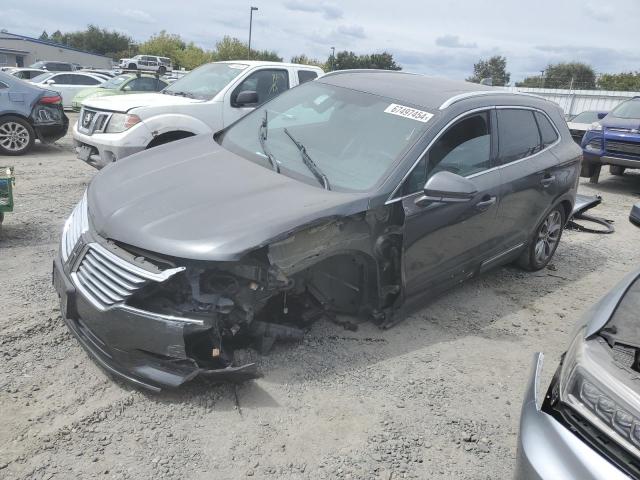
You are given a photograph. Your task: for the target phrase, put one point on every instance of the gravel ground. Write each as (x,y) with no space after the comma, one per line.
(437,396)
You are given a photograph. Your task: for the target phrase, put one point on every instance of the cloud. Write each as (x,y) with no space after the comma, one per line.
(355,31)
(328,10)
(453,41)
(138,15)
(598,12)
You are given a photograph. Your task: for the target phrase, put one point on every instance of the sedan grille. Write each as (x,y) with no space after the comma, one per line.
(106,279)
(625,148)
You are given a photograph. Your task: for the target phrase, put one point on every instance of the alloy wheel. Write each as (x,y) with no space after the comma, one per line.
(14,136)
(548,237)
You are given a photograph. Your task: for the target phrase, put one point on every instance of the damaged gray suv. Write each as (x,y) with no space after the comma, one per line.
(361,193)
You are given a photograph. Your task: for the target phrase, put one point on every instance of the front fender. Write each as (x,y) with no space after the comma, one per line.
(176,122)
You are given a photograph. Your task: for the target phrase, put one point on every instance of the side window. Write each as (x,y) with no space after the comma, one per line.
(64,79)
(266,83)
(518,134)
(306,76)
(547,132)
(143,84)
(464,149)
(85,80)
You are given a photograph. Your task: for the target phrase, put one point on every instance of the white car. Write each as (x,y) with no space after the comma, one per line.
(582,122)
(203,101)
(68,84)
(153,63)
(26,73)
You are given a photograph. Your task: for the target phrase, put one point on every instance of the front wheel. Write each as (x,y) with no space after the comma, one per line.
(16,135)
(616,170)
(162,70)
(544,242)
(133,66)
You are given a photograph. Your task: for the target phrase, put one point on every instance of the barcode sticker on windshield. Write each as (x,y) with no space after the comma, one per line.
(408,112)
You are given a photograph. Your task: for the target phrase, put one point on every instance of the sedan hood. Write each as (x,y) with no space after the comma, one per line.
(124,103)
(193,199)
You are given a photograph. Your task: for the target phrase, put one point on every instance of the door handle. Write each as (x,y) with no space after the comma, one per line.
(547,180)
(485,204)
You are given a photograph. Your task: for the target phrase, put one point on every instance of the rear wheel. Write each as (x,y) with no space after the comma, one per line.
(616,170)
(544,242)
(16,135)
(133,66)
(595,175)
(162,70)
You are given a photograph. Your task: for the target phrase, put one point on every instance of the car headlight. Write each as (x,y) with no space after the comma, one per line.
(119,122)
(595,126)
(74,227)
(593,384)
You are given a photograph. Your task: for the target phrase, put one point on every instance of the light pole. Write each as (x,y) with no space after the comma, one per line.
(333,58)
(250,23)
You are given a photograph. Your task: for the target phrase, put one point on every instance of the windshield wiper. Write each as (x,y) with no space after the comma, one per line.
(184,94)
(306,159)
(262,135)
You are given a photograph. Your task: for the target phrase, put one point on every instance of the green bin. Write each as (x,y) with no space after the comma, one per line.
(7,181)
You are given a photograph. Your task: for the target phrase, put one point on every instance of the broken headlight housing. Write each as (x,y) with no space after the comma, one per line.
(593,385)
(120,122)
(74,227)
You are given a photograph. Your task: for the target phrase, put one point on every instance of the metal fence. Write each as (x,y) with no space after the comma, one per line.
(576,101)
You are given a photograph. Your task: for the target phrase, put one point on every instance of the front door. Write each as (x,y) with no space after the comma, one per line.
(444,243)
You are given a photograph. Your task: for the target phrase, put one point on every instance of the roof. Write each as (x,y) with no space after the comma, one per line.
(411,88)
(15,36)
(13,50)
(260,63)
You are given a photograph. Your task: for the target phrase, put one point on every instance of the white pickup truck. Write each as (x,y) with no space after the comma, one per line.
(203,101)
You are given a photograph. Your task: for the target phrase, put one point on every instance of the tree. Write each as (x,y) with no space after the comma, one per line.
(164,44)
(57,37)
(573,75)
(304,60)
(494,68)
(193,56)
(628,81)
(230,48)
(94,39)
(44,35)
(348,60)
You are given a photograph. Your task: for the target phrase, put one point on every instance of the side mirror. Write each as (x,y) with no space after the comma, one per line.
(248,97)
(49,82)
(601,115)
(447,187)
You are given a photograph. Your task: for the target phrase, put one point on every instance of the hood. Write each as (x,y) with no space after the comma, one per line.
(578,126)
(193,199)
(615,122)
(82,94)
(124,103)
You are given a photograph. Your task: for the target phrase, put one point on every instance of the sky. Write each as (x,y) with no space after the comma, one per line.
(435,37)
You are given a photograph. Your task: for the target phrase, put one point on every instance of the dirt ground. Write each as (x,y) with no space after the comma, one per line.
(438,396)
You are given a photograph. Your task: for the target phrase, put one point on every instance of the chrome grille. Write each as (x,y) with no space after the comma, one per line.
(626,148)
(92,121)
(74,227)
(107,280)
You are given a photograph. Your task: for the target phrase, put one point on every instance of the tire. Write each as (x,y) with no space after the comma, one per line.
(162,70)
(544,242)
(133,66)
(595,175)
(16,135)
(616,170)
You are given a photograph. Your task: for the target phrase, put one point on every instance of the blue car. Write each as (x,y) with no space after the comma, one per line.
(27,113)
(613,141)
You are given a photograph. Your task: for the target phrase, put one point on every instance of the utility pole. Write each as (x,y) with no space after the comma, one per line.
(333,58)
(542,78)
(250,24)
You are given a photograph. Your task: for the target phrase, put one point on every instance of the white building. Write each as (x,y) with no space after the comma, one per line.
(20,51)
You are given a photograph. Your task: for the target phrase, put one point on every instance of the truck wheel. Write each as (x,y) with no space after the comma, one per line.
(16,135)
(595,174)
(133,66)
(544,241)
(162,70)
(616,170)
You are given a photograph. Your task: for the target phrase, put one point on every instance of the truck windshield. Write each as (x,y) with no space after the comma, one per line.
(207,81)
(115,82)
(628,109)
(354,138)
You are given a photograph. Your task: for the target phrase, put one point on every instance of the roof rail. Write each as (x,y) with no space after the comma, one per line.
(462,96)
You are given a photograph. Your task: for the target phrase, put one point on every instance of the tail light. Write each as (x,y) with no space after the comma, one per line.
(50,100)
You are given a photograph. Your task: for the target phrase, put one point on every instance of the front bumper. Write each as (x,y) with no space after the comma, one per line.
(101,149)
(143,348)
(549,451)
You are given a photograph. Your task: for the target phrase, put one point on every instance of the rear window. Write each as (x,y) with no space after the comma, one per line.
(547,132)
(518,135)
(306,76)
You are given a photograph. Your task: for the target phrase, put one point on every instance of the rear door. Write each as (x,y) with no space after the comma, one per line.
(445,243)
(529,171)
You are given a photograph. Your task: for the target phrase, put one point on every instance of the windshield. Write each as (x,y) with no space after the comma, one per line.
(585,117)
(628,109)
(41,78)
(206,81)
(348,135)
(115,82)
